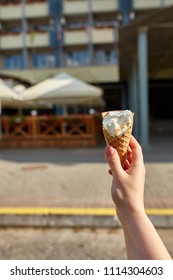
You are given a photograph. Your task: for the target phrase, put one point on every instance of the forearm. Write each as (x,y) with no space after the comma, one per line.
(142,240)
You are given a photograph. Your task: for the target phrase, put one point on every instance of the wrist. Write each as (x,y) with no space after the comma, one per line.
(129,215)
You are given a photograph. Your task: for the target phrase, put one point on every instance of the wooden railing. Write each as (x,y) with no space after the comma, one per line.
(66,130)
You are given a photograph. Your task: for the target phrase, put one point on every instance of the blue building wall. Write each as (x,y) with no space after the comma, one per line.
(56,34)
(125,7)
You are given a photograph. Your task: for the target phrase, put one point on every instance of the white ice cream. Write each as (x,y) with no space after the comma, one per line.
(116,123)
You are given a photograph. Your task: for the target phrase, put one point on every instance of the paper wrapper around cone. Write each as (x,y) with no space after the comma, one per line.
(120,143)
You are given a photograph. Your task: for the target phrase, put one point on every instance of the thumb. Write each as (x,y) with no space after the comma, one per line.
(113,159)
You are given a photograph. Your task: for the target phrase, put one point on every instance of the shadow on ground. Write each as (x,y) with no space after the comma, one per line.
(159,150)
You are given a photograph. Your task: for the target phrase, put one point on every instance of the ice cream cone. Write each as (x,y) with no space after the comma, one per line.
(120,143)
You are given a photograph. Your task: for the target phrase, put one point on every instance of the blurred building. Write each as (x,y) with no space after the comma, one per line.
(42,37)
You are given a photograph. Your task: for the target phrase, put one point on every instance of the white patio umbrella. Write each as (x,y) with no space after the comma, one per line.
(6,94)
(19,88)
(10,99)
(64,89)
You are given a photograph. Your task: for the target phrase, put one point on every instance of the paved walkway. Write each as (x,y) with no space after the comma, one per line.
(68,244)
(78,178)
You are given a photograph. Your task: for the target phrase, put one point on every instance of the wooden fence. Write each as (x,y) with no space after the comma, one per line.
(50,131)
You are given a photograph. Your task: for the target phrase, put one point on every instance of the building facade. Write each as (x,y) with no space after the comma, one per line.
(62,33)
(57,33)
(39,38)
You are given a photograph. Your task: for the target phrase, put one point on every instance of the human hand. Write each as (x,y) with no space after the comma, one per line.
(128,182)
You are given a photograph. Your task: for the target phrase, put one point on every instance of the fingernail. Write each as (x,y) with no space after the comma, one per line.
(109,150)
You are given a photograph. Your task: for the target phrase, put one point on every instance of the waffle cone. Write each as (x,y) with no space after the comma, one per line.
(120,143)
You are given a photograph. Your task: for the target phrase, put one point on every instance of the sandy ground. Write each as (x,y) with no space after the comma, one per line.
(54,185)
(73,178)
(63,244)
(45,184)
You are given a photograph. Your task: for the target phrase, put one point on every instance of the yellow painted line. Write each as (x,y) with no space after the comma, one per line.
(161,211)
(74,211)
(57,211)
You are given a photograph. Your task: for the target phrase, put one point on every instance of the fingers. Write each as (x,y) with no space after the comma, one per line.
(126,165)
(137,155)
(113,160)
(129,155)
(133,142)
(110,172)
(134,157)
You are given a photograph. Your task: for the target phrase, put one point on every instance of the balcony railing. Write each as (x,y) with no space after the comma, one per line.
(143,4)
(81,6)
(100,35)
(33,39)
(12,11)
(62,131)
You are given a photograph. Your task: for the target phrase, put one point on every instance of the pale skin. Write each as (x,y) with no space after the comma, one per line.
(141,238)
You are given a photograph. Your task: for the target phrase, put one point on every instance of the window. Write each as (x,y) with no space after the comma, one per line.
(106,57)
(44,60)
(77,58)
(13,61)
